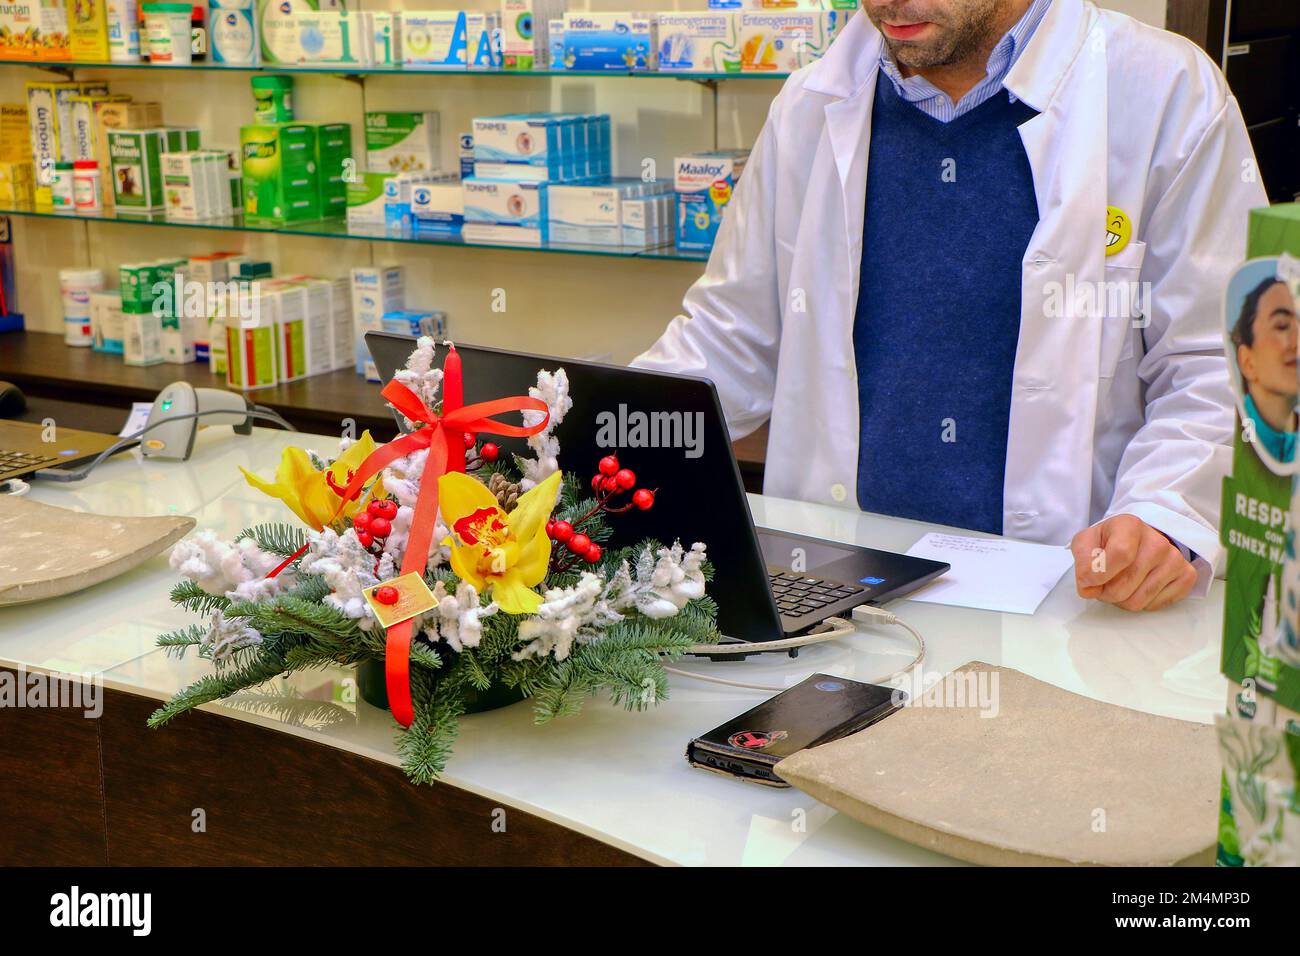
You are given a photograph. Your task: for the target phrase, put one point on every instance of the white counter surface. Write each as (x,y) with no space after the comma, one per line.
(617,776)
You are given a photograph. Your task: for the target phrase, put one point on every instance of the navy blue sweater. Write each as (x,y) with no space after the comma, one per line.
(949,213)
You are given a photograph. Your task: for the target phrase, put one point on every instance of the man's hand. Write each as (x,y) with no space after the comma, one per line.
(1126,562)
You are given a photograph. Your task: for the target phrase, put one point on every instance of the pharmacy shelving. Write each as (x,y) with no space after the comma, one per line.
(356,70)
(338,229)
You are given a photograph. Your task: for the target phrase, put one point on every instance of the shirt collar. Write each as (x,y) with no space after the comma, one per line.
(916,88)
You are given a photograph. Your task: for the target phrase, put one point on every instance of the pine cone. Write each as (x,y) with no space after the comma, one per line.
(506,491)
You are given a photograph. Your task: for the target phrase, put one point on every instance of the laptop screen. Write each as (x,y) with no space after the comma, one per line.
(669,431)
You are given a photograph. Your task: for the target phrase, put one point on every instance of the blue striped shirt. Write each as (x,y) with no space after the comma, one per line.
(932,101)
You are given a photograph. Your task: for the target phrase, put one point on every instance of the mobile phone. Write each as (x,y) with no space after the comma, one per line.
(815,711)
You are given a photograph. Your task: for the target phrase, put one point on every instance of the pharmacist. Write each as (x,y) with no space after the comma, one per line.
(914,283)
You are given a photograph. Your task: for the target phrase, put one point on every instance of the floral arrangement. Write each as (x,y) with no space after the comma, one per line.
(509,588)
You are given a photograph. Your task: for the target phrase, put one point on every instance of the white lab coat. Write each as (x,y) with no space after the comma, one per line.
(1106,417)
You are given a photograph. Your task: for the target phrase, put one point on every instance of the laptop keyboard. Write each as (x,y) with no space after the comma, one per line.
(21,462)
(798,595)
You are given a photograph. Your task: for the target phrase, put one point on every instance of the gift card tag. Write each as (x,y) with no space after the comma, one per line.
(400,599)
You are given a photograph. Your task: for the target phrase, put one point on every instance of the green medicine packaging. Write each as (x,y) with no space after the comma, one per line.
(135,156)
(135,161)
(280,174)
(335,165)
(273,99)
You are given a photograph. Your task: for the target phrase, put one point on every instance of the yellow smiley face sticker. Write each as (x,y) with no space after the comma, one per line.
(1118,230)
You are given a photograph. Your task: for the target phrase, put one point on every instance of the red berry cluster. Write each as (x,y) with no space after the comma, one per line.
(488,451)
(375,524)
(561,532)
(610,481)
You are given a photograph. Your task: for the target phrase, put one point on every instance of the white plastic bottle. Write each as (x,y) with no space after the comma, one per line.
(76,285)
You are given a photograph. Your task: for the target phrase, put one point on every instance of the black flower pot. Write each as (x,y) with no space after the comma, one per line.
(374,691)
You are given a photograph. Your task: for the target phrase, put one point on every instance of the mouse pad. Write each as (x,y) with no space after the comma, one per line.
(47,552)
(1052,778)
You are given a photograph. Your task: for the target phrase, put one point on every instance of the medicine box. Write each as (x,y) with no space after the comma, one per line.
(590,215)
(541,147)
(398,142)
(136,285)
(17,184)
(34,30)
(704,183)
(434,40)
(465,153)
(302,344)
(416,322)
(555,44)
(204,274)
(141,339)
(194,185)
(135,158)
(88,31)
(698,42)
(365,197)
(15,137)
(251,360)
(524,24)
(334,162)
(397,199)
(499,210)
(616,42)
(304,31)
(85,133)
(280,178)
(107,322)
(438,207)
(110,115)
(384,33)
(483,37)
(376,290)
(50,143)
(778,42)
(531,139)
(329,307)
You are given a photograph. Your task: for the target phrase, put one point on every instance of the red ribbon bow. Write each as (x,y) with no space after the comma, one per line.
(444,436)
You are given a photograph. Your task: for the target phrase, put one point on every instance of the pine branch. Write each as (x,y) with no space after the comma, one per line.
(215,686)
(425,746)
(193,598)
(424,655)
(278,538)
(561,691)
(310,588)
(175,643)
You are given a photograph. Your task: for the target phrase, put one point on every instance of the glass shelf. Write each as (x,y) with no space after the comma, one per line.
(345,69)
(338,229)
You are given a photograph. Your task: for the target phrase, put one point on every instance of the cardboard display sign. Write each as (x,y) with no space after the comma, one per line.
(1260,735)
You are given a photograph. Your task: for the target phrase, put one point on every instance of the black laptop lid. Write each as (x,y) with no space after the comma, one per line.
(669,430)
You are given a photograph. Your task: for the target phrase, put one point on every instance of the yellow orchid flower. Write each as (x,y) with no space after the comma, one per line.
(509,552)
(310,493)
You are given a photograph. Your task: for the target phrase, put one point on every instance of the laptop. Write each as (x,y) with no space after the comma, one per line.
(670,431)
(23,448)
